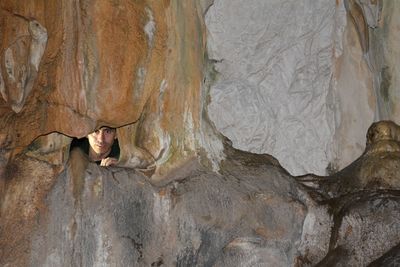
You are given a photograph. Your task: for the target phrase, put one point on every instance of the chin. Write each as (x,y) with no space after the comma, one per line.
(100,151)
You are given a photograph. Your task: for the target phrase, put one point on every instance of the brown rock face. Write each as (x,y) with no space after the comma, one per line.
(70,67)
(88,69)
(67,67)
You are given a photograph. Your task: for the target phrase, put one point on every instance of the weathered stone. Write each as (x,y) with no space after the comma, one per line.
(252,212)
(193,200)
(361,204)
(248,214)
(111,63)
(303,80)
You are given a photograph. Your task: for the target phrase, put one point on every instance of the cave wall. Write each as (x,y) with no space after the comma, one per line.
(389,72)
(304,90)
(68,67)
(302,80)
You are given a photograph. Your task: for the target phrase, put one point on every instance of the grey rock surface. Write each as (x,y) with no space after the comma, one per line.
(247,216)
(252,213)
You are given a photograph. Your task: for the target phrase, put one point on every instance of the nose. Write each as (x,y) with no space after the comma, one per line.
(101,137)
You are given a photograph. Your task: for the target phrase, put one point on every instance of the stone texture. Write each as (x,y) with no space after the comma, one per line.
(114,63)
(142,66)
(389,35)
(70,85)
(250,213)
(302,80)
(116,217)
(357,202)
(274,90)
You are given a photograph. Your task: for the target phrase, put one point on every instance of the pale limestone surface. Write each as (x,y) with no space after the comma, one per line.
(278,90)
(392,56)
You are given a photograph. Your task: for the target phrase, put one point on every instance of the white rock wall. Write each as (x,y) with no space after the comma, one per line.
(391,11)
(274,93)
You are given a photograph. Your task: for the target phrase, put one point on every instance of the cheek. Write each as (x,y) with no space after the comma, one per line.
(91,139)
(110,139)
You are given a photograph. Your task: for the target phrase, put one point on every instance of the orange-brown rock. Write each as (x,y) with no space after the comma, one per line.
(102,63)
(67,67)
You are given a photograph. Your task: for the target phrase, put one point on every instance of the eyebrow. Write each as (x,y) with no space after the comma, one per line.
(106,127)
